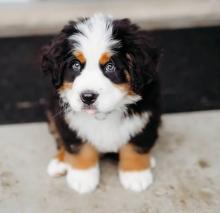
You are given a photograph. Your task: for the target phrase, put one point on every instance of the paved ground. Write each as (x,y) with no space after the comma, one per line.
(187,176)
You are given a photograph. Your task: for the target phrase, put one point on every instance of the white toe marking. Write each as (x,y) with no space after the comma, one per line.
(152,162)
(56,168)
(136,181)
(83,180)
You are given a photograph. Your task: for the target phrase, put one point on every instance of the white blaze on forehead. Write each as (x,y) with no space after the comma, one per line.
(95,36)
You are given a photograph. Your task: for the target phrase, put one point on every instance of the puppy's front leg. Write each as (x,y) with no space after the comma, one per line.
(83,172)
(134,168)
(82,168)
(76,159)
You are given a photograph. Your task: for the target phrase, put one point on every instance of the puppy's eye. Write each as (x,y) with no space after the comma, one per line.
(76,66)
(109,67)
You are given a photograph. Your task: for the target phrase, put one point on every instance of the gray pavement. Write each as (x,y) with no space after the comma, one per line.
(187,175)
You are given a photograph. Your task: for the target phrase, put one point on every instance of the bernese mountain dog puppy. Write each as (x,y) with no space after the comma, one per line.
(104,71)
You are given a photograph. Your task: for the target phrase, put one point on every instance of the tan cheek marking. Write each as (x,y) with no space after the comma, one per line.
(131,160)
(86,158)
(79,55)
(125,87)
(105,57)
(65,86)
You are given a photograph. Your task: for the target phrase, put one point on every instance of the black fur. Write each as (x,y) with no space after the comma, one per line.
(56,61)
(117,77)
(142,59)
(69,138)
(57,57)
(138,51)
(136,54)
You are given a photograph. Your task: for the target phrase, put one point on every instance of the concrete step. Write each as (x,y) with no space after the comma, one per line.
(41,18)
(187,175)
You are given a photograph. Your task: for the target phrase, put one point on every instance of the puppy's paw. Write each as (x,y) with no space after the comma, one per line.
(136,181)
(83,180)
(56,168)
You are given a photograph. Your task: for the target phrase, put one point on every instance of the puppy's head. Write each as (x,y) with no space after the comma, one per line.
(99,64)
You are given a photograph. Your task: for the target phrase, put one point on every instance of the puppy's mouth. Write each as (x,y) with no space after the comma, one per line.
(93,111)
(90,109)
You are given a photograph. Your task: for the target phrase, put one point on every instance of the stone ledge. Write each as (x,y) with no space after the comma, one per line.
(42,18)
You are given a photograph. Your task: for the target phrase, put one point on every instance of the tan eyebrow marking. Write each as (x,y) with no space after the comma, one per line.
(80,56)
(105,57)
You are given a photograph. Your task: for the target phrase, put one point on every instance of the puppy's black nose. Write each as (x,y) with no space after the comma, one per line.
(88,97)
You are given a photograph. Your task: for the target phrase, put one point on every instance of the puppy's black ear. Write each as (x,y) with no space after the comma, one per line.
(141,54)
(54,54)
(144,57)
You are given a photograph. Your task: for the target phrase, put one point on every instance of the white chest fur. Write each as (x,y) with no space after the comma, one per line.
(110,134)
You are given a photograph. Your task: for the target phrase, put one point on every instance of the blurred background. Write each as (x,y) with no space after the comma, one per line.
(187,32)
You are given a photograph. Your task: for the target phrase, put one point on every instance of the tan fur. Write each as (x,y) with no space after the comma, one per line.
(131,160)
(80,56)
(61,154)
(105,57)
(65,86)
(86,158)
(125,87)
(128,77)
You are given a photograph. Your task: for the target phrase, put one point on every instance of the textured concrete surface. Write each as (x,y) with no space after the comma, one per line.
(38,18)
(187,175)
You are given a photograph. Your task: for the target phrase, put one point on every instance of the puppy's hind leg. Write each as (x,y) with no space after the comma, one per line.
(134,169)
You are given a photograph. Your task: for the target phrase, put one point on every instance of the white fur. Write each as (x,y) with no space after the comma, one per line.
(95,37)
(109,134)
(108,130)
(56,168)
(136,181)
(83,180)
(94,40)
(92,78)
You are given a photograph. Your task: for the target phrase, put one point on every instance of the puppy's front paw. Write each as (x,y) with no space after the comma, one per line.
(136,181)
(83,180)
(56,168)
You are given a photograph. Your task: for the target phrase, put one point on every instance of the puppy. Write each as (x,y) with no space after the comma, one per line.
(104,72)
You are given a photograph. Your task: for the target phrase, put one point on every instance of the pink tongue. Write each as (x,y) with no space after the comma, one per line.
(91,111)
